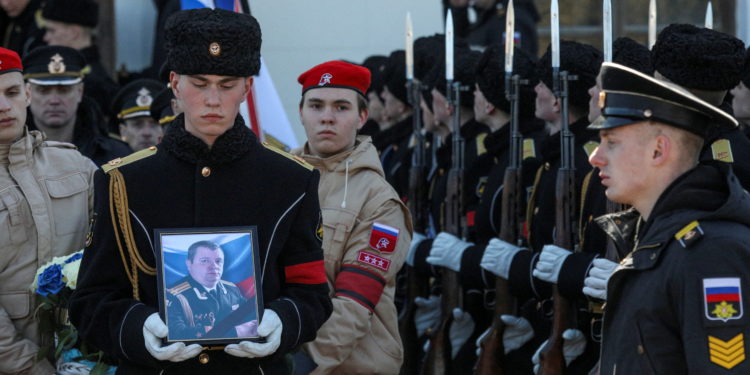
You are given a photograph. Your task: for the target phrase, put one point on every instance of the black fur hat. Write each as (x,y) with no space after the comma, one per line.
(213,41)
(376,65)
(581,60)
(632,54)
(78,12)
(699,58)
(490,77)
(394,76)
(465,62)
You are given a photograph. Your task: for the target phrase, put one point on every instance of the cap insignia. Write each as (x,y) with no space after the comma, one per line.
(214,49)
(602,99)
(325,79)
(144,98)
(56,65)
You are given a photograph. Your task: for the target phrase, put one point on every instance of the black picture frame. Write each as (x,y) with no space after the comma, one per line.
(231,310)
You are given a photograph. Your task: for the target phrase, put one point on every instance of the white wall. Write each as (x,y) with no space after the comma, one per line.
(299,34)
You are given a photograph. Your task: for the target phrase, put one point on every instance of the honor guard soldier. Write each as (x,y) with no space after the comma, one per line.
(376,120)
(366,229)
(61,110)
(717,63)
(200,299)
(675,304)
(71,23)
(209,171)
(132,106)
(21,30)
(46,200)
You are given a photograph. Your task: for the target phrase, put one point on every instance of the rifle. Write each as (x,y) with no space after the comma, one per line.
(492,352)
(439,359)
(552,358)
(416,286)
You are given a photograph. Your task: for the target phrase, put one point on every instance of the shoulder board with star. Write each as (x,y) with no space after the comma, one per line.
(689,234)
(529,148)
(289,156)
(589,147)
(119,162)
(179,288)
(480,144)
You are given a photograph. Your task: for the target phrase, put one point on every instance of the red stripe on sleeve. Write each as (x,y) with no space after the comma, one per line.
(361,285)
(306,273)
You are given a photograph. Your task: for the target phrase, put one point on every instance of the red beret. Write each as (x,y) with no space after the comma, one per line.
(336,74)
(9,61)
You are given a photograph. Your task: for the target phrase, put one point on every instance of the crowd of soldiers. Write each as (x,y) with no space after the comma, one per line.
(519,238)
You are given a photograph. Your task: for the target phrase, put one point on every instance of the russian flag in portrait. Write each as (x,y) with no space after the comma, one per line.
(383,238)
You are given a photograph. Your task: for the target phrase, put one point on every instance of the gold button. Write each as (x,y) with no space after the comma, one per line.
(152,148)
(203,358)
(546,166)
(206,171)
(640,349)
(647,113)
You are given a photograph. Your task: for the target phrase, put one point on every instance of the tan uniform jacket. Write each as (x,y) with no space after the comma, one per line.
(46,198)
(361,336)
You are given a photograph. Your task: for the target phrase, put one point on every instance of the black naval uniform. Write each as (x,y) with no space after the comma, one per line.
(97,83)
(186,184)
(657,319)
(193,310)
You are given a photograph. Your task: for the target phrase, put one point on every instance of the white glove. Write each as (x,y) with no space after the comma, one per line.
(574,343)
(72,368)
(595,284)
(154,330)
(498,257)
(270,327)
(427,313)
(447,250)
(416,239)
(461,328)
(550,262)
(517,332)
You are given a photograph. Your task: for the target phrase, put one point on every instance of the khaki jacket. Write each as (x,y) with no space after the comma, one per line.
(361,336)
(46,199)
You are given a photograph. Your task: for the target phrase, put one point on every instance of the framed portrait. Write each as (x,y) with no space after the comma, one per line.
(207,283)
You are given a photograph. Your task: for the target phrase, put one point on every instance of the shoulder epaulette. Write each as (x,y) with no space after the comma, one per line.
(228,283)
(179,288)
(119,162)
(289,156)
(589,147)
(722,150)
(529,148)
(689,234)
(481,149)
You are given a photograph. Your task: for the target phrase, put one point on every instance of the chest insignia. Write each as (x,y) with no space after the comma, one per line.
(722,298)
(727,354)
(383,238)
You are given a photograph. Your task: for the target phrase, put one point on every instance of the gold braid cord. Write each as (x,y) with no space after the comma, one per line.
(118,207)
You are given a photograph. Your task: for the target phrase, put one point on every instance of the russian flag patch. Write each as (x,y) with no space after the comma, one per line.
(383,238)
(722,298)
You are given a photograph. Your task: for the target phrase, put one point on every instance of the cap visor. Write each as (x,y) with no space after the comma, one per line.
(612,122)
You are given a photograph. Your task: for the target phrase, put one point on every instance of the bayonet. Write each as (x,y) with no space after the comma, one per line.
(709,23)
(607,29)
(651,23)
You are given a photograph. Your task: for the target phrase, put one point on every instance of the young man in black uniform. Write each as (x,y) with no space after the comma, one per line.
(209,171)
(676,303)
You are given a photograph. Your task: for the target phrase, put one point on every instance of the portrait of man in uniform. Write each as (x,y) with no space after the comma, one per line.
(209,286)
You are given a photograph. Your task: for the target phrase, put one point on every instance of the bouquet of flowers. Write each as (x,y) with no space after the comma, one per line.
(54,284)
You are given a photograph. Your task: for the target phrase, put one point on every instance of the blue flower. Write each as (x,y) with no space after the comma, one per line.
(50,281)
(74,258)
